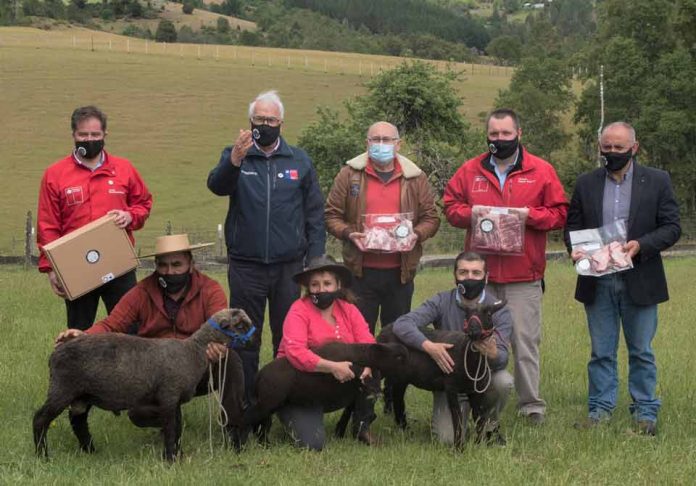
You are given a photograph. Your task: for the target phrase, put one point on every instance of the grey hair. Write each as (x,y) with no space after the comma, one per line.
(387,123)
(269,97)
(622,124)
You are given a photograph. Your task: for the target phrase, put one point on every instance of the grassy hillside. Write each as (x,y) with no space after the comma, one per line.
(170,112)
(172,11)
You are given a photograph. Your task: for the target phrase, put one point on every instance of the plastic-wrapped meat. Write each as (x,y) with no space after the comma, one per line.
(485,237)
(399,238)
(498,230)
(619,257)
(600,260)
(510,234)
(381,239)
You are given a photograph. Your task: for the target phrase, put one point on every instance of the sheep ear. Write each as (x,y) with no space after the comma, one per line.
(238,316)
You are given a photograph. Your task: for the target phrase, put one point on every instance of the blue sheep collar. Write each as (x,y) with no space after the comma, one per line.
(237,339)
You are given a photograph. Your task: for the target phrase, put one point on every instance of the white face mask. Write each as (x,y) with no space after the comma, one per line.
(381,153)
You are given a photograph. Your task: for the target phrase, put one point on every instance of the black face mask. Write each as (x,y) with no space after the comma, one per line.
(89,149)
(323,299)
(502,149)
(614,162)
(470,288)
(265,135)
(174,283)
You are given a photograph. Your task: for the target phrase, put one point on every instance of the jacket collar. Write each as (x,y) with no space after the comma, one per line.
(486,162)
(154,291)
(600,176)
(408,168)
(283,149)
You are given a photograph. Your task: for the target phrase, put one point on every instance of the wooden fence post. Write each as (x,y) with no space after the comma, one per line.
(220,242)
(28,239)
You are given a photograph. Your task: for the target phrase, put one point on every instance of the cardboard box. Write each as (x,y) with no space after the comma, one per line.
(91,256)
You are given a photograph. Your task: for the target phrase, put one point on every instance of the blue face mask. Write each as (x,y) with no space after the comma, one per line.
(381,153)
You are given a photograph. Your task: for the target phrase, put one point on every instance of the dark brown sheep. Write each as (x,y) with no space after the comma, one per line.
(120,372)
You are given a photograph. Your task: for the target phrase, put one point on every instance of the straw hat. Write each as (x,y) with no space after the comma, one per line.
(174,244)
(324,263)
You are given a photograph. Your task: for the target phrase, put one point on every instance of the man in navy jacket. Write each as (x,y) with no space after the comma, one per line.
(275,220)
(644,199)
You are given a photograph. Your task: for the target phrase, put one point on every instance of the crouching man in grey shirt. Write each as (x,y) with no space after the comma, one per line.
(445,311)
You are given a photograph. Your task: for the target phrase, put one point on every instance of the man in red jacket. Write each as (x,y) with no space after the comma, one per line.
(173,302)
(509,176)
(82,187)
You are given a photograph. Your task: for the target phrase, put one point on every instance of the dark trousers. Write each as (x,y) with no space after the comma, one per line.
(305,423)
(251,284)
(83,310)
(382,295)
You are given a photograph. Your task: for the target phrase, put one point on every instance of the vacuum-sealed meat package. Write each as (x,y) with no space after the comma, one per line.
(602,249)
(389,233)
(498,230)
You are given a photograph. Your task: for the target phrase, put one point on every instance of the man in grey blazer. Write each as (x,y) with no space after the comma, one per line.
(644,199)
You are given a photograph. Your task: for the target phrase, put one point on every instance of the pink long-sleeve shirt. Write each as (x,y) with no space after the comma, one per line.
(304,328)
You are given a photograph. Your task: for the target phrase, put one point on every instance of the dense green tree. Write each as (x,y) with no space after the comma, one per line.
(540,92)
(420,101)
(231,7)
(166,32)
(505,48)
(223,25)
(187,7)
(649,61)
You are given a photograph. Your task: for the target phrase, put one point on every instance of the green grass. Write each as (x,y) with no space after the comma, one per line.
(169,112)
(30,317)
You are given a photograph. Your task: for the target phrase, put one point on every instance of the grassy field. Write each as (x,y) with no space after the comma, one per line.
(172,108)
(553,454)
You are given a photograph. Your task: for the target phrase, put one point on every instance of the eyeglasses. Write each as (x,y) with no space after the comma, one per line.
(382,139)
(271,121)
(615,148)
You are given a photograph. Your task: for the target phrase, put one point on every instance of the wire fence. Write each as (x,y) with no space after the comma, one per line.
(20,246)
(317,61)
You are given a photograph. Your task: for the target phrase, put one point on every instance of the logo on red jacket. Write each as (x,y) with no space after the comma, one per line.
(481,184)
(73,195)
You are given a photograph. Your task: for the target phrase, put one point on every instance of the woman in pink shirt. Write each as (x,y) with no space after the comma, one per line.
(325,313)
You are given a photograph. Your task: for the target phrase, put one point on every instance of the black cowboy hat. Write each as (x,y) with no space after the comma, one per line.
(324,263)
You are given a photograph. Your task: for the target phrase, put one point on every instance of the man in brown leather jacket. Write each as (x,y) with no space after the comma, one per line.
(381,181)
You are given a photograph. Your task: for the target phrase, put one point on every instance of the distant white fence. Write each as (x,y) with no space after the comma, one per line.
(320,61)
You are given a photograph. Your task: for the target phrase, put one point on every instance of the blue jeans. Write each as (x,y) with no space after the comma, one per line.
(611,308)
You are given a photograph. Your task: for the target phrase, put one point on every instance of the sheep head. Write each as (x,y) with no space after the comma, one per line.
(233,327)
(479,319)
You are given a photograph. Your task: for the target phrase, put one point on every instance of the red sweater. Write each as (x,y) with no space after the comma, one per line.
(71,195)
(535,186)
(382,198)
(305,328)
(144,304)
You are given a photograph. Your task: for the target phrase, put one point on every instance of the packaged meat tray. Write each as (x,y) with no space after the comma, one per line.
(388,233)
(498,230)
(602,248)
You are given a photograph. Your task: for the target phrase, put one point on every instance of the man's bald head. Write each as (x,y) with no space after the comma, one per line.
(383,128)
